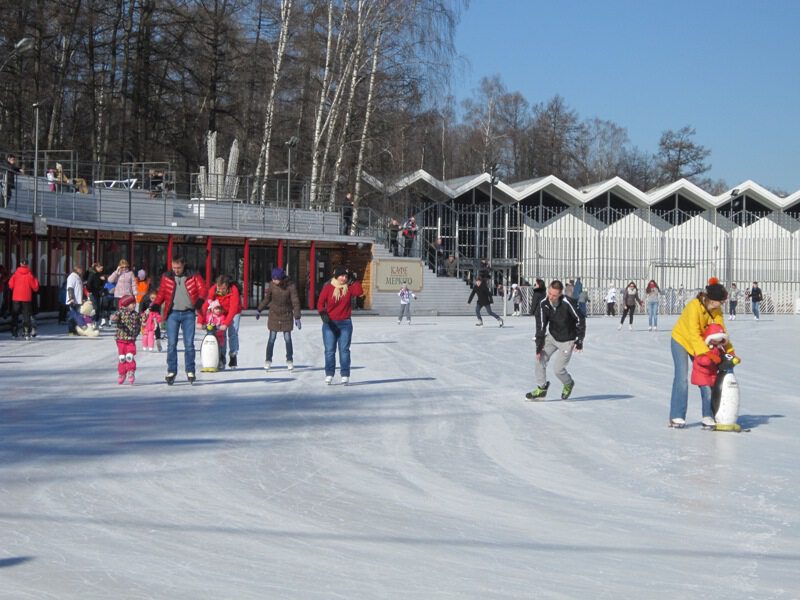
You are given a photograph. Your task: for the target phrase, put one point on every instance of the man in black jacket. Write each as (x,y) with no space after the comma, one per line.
(567,327)
(484,294)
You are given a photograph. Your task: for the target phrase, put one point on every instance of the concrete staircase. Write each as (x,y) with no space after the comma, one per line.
(438,296)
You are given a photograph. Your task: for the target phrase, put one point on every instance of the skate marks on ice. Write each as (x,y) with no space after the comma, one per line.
(593,398)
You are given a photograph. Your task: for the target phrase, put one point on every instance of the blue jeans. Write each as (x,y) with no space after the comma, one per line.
(233,335)
(75,318)
(337,333)
(680,385)
(287,339)
(176,321)
(757,309)
(652,314)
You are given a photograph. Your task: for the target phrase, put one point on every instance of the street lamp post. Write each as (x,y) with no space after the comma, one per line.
(290,143)
(36,106)
(492,181)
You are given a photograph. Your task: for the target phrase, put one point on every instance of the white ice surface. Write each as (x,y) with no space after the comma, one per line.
(429,477)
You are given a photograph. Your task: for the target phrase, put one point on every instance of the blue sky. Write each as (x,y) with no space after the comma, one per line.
(730,69)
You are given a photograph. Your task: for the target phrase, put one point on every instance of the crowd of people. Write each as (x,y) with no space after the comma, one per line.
(181,304)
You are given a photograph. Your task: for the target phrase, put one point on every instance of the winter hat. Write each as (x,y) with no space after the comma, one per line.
(513,285)
(716,291)
(214,304)
(278,274)
(339,271)
(715,333)
(141,274)
(127,301)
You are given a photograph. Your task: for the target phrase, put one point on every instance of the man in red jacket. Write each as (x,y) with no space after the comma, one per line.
(337,328)
(22,285)
(180,297)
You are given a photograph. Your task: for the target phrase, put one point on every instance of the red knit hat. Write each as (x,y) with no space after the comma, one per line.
(127,301)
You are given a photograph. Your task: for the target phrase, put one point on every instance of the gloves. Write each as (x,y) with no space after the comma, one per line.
(324,316)
(258,315)
(578,344)
(298,324)
(708,359)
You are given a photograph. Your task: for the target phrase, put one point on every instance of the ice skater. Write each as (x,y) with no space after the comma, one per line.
(629,301)
(180,296)
(216,317)
(516,299)
(284,310)
(706,367)
(484,300)
(151,332)
(335,310)
(688,342)
(566,325)
(23,284)
(129,323)
(406,296)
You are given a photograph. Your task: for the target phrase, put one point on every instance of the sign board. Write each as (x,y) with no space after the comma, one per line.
(39,225)
(390,275)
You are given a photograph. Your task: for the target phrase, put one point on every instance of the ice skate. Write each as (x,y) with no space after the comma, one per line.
(289,365)
(677,423)
(170,378)
(267,365)
(328,379)
(479,324)
(345,380)
(121,379)
(501,322)
(131,377)
(191,377)
(708,422)
(567,390)
(538,393)
(232,361)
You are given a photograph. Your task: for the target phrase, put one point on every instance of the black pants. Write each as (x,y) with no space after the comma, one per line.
(628,310)
(611,309)
(408,244)
(25,309)
(393,246)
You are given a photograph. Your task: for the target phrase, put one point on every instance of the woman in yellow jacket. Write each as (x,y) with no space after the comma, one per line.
(688,342)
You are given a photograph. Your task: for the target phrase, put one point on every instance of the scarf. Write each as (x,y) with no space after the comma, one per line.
(339,289)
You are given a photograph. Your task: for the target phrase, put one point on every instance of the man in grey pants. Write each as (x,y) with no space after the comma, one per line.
(567,327)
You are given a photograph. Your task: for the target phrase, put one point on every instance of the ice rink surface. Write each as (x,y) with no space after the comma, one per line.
(429,477)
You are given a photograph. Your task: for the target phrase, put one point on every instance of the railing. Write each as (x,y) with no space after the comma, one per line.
(110,204)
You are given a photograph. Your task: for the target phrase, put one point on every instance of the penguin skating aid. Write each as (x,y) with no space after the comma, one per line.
(209,351)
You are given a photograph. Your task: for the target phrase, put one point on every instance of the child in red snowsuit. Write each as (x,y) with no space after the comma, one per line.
(706,366)
(152,319)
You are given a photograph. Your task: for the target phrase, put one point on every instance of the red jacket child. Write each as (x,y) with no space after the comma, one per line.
(706,366)
(23,284)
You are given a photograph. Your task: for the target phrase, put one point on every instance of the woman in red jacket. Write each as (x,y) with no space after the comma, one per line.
(22,285)
(337,328)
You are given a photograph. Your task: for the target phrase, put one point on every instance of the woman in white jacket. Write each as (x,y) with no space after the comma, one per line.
(611,302)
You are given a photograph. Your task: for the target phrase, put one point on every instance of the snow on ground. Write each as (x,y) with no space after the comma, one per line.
(429,477)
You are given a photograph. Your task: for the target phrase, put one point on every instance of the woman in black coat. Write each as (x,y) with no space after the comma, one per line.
(539,293)
(484,294)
